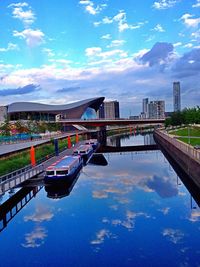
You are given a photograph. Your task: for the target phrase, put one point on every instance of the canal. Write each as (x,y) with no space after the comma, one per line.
(127,209)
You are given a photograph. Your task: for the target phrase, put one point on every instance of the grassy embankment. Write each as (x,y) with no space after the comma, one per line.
(22,159)
(187,135)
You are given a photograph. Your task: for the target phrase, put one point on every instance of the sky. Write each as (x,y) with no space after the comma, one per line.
(62,51)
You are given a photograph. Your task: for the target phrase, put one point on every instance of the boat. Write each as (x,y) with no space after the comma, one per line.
(61,189)
(65,168)
(85,151)
(92,142)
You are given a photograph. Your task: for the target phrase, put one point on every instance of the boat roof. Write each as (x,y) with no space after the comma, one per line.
(82,147)
(64,162)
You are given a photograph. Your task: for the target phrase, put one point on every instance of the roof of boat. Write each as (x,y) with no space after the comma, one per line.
(82,147)
(64,162)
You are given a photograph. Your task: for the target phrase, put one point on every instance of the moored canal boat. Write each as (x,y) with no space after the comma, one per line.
(65,168)
(92,142)
(85,151)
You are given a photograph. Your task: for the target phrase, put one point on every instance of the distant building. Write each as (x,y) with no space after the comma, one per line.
(176,96)
(156,109)
(134,117)
(85,109)
(145,109)
(109,110)
(3,113)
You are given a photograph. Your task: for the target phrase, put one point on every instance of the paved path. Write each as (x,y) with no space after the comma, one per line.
(9,148)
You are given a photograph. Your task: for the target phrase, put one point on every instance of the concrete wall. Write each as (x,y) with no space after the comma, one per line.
(182,154)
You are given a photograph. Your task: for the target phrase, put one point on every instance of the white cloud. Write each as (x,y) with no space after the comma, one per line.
(63,62)
(91,8)
(36,238)
(107,20)
(49,52)
(18,4)
(100,237)
(164,4)
(104,73)
(189,21)
(106,36)
(116,43)
(32,37)
(197,4)
(121,20)
(18,12)
(97,52)
(174,235)
(189,45)
(92,51)
(177,44)
(195,216)
(158,28)
(10,47)
(196,34)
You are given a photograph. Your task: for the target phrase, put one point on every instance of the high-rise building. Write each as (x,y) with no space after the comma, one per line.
(156,109)
(109,110)
(145,110)
(176,96)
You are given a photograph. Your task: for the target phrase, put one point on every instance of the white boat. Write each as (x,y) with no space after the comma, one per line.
(92,142)
(85,151)
(65,168)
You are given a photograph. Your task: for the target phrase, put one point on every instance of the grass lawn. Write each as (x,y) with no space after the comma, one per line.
(193,141)
(193,131)
(22,159)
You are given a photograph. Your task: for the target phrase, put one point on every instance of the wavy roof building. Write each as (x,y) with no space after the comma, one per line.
(36,111)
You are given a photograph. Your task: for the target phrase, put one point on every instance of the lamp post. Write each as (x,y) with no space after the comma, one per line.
(189,134)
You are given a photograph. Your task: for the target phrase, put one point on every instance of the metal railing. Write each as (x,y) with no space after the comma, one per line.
(13,181)
(14,173)
(188,149)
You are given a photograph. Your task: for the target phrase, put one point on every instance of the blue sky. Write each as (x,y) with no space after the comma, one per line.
(62,51)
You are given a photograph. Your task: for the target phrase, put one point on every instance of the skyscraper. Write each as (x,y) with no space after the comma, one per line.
(109,110)
(176,96)
(145,110)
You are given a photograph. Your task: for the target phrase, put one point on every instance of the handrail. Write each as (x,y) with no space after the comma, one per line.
(188,149)
(18,179)
(14,173)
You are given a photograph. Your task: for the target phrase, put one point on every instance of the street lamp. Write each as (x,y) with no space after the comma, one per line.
(189,135)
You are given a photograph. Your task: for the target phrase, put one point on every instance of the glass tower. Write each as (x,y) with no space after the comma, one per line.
(176,96)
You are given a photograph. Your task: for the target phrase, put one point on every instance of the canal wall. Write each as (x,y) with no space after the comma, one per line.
(183,154)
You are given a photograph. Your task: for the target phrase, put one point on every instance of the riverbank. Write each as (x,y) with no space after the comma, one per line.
(184,155)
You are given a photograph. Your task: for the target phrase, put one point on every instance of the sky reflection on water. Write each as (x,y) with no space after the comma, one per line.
(132,212)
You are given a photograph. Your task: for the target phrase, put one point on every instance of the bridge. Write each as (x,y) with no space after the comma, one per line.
(105,122)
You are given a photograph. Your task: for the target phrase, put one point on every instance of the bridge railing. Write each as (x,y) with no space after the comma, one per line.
(13,181)
(188,149)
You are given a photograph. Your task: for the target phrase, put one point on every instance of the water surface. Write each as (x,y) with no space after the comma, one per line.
(134,211)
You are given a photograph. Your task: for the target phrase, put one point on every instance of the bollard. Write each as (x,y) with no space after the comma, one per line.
(32,156)
(69,142)
(56,147)
(77,138)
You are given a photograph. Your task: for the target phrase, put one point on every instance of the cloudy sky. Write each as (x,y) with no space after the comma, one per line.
(61,51)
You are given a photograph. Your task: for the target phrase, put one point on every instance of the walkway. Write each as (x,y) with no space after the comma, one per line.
(10,148)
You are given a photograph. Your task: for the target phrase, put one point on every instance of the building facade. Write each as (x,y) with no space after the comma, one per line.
(109,110)
(176,96)
(145,108)
(3,113)
(84,109)
(156,109)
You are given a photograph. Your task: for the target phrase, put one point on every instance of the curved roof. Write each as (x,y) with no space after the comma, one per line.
(38,107)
